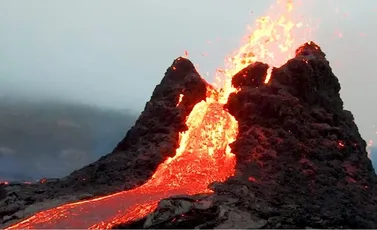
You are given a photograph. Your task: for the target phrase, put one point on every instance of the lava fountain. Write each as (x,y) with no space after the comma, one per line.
(203,156)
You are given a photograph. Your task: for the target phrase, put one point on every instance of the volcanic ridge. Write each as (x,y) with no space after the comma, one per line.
(281,154)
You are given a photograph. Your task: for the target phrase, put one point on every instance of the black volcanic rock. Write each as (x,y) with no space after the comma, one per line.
(301,148)
(301,162)
(3,192)
(152,139)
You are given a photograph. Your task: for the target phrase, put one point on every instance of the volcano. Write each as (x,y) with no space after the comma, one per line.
(279,152)
(263,147)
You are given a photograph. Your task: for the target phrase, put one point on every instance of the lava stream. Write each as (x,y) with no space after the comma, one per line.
(203,157)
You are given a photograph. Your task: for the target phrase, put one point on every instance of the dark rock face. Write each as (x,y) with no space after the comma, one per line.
(3,192)
(152,139)
(301,148)
(154,136)
(301,161)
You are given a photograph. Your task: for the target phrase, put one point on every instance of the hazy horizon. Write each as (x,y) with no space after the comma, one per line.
(113,55)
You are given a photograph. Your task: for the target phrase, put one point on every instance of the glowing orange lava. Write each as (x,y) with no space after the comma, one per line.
(271,42)
(195,165)
(203,156)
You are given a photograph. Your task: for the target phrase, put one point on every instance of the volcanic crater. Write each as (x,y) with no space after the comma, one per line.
(275,153)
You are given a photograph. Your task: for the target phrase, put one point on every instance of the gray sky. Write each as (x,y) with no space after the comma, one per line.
(113,53)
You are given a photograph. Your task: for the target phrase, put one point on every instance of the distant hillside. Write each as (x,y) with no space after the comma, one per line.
(50,139)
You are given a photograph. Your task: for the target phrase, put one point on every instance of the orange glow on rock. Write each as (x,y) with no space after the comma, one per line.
(180,99)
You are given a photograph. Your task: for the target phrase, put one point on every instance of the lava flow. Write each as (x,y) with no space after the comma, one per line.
(203,156)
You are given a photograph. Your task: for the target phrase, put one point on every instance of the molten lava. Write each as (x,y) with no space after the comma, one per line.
(203,156)
(271,42)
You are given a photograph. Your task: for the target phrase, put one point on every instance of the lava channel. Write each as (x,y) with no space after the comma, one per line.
(203,157)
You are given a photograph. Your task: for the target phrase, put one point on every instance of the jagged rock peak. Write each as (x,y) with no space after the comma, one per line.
(310,50)
(309,77)
(253,75)
(181,82)
(179,75)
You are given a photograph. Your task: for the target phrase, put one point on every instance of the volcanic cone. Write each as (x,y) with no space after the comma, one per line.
(301,162)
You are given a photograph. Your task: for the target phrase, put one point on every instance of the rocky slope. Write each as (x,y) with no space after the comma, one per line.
(148,143)
(301,162)
(53,138)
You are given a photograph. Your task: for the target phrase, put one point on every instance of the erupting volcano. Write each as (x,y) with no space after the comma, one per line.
(265,147)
